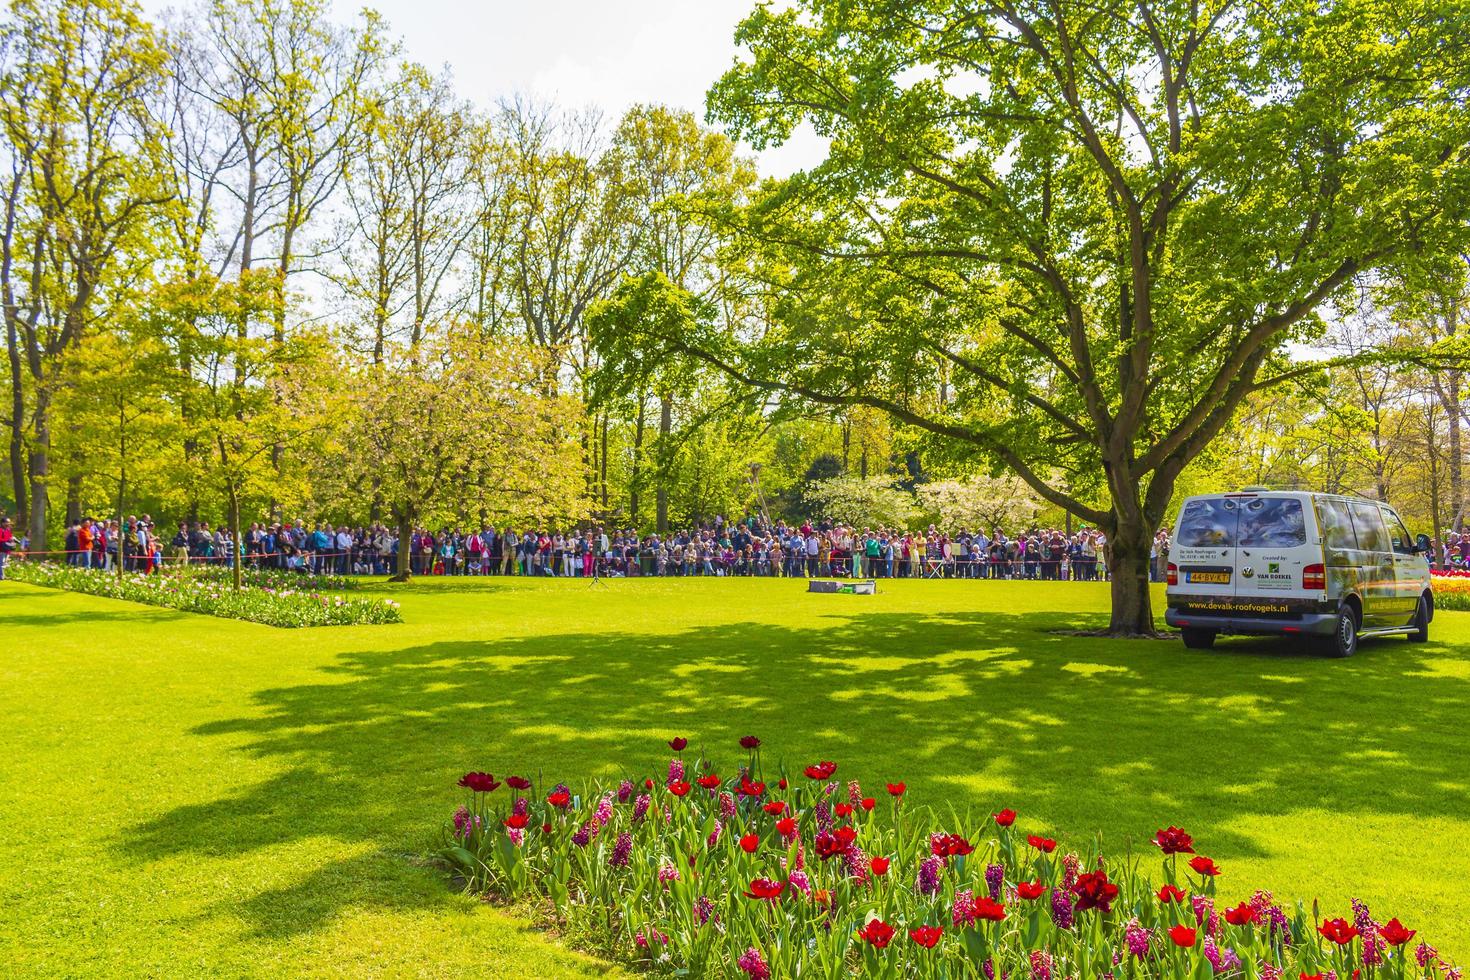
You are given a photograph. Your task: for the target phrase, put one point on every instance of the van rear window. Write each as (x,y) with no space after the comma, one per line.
(1209,522)
(1272,522)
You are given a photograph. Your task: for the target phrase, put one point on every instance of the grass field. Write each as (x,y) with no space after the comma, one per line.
(188,796)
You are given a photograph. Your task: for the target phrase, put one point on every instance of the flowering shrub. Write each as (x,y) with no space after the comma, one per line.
(213,596)
(276,578)
(1451,589)
(747,875)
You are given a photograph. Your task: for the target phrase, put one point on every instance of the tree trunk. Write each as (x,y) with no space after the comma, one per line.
(1456,460)
(1129,543)
(40,472)
(74,499)
(235,538)
(665,427)
(18,456)
(633,474)
(405,549)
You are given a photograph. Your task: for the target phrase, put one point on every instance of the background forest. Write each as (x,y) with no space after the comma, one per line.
(256,263)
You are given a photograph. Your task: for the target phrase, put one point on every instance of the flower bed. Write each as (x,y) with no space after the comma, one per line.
(278,579)
(800,875)
(211,595)
(1451,590)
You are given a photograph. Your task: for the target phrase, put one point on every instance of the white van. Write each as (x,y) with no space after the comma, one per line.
(1266,562)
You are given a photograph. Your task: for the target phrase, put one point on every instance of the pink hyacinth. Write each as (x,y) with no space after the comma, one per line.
(799,881)
(667,873)
(714,835)
(1270,972)
(727,806)
(622,850)
(1071,867)
(640,807)
(604,810)
(856,860)
(703,909)
(1136,938)
(517,836)
(676,771)
(625,791)
(854,792)
(520,806)
(1041,965)
(964,908)
(753,965)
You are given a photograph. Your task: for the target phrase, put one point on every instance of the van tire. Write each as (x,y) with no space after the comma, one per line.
(1198,639)
(1344,639)
(1420,623)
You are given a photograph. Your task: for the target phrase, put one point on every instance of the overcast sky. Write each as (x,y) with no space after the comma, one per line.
(608,53)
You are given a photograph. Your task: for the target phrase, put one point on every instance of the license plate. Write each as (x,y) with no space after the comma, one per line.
(1208,578)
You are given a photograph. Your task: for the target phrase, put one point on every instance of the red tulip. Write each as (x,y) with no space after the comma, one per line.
(1339,931)
(648,783)
(765,888)
(678,744)
(1005,818)
(1394,933)
(546,828)
(1312,976)
(517,782)
(1043,844)
(1204,866)
(879,866)
(749,843)
(842,809)
(479,782)
(831,844)
(775,807)
(1094,891)
(786,826)
(877,932)
(708,781)
(822,770)
(989,909)
(926,936)
(1173,840)
(1030,890)
(679,788)
(782,783)
(896,789)
(868,803)
(750,742)
(748,788)
(950,845)
(561,799)
(516,821)
(1169,894)
(1241,915)
(1182,936)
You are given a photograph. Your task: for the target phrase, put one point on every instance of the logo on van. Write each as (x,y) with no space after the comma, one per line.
(1248,572)
(1273,568)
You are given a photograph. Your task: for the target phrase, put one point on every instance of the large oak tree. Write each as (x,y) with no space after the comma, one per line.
(1071,236)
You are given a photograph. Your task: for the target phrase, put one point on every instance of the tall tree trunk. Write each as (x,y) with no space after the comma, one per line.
(405,547)
(602,460)
(665,428)
(74,499)
(633,475)
(1456,452)
(235,537)
(1129,543)
(18,456)
(40,471)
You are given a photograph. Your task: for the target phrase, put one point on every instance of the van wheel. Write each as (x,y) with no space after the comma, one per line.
(1344,639)
(1197,639)
(1420,623)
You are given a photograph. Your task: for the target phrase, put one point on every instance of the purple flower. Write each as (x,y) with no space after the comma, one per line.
(964,909)
(1220,962)
(995,877)
(1424,955)
(1071,866)
(1270,972)
(676,770)
(727,806)
(857,864)
(703,909)
(464,822)
(714,835)
(625,791)
(754,967)
(1061,909)
(798,880)
(622,850)
(604,809)
(929,875)
(854,792)
(583,835)
(520,806)
(640,807)
(517,836)
(823,813)
(667,873)
(1041,965)
(1373,947)
(1136,938)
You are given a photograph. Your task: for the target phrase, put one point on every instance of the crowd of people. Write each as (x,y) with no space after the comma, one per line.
(751,546)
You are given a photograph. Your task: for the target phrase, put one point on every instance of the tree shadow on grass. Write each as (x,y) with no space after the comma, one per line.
(981,710)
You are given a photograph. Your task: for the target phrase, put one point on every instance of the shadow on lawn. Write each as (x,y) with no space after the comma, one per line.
(980,709)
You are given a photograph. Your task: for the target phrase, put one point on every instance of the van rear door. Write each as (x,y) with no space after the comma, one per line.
(1274,544)
(1204,546)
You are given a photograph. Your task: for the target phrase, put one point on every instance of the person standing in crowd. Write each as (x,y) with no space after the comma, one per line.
(7,544)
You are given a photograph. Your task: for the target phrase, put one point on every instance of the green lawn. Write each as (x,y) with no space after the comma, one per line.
(182,795)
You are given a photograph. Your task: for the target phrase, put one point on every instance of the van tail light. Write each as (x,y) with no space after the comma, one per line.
(1173,574)
(1314,578)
